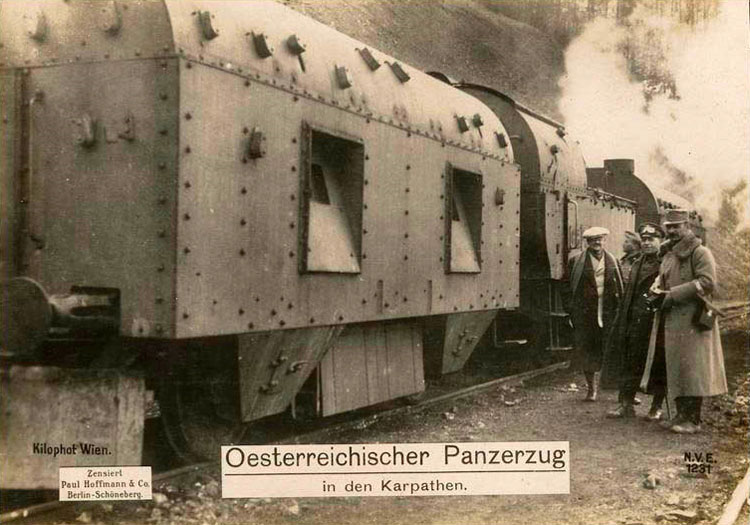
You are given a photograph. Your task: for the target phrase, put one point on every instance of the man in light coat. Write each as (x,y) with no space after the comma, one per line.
(692,355)
(596,290)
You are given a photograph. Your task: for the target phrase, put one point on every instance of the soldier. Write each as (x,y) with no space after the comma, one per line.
(627,354)
(632,248)
(690,351)
(596,289)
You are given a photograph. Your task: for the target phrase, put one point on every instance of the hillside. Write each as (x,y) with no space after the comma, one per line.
(460,38)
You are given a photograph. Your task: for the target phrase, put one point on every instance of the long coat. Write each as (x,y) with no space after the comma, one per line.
(627,347)
(582,306)
(694,358)
(626,265)
(583,303)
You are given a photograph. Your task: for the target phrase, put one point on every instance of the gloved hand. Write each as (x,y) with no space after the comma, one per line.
(668,301)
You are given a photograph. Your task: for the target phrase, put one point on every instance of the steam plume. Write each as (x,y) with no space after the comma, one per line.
(688,124)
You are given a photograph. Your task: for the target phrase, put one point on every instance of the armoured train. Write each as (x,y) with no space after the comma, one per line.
(237,209)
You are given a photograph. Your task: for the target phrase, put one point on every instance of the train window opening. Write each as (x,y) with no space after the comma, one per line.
(318,183)
(463,235)
(332,182)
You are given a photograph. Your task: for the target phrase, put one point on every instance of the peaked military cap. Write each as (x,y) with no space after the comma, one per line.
(633,236)
(594,232)
(675,216)
(649,229)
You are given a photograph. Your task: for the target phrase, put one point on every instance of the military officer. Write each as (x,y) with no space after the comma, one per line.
(690,350)
(629,345)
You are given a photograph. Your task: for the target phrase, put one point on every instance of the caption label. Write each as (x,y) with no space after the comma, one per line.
(105,483)
(396,469)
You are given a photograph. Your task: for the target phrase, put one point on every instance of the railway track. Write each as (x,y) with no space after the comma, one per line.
(358,419)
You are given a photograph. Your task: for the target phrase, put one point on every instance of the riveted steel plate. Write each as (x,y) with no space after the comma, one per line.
(274,365)
(238,240)
(101,215)
(83,31)
(450,340)
(418,103)
(10,95)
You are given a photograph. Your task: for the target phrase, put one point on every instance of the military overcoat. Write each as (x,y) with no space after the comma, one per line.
(627,347)
(694,358)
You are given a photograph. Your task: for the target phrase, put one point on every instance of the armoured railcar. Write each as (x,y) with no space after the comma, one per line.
(557,205)
(237,201)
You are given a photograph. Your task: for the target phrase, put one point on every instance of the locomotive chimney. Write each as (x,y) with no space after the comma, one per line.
(619,167)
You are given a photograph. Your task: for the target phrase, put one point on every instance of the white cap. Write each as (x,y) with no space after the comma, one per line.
(596,231)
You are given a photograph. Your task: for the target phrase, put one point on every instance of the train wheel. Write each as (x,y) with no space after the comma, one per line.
(199,403)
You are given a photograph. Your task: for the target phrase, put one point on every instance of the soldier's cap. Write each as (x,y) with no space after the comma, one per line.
(595,232)
(649,229)
(635,237)
(675,216)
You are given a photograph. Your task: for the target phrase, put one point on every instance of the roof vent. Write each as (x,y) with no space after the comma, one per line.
(370,60)
(401,75)
(262,46)
(295,45)
(463,125)
(111,19)
(205,19)
(36,27)
(343,78)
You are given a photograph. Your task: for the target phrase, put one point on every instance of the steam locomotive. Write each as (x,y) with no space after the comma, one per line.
(233,207)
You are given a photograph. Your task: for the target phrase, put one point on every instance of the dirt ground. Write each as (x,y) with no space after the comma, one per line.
(610,461)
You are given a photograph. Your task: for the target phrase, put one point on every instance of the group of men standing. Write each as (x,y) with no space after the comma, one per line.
(647,320)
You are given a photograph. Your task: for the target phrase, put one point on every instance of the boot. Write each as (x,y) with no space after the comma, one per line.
(592,380)
(655,413)
(667,424)
(636,401)
(688,427)
(625,410)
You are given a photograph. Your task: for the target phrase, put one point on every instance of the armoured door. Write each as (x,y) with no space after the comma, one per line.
(96,187)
